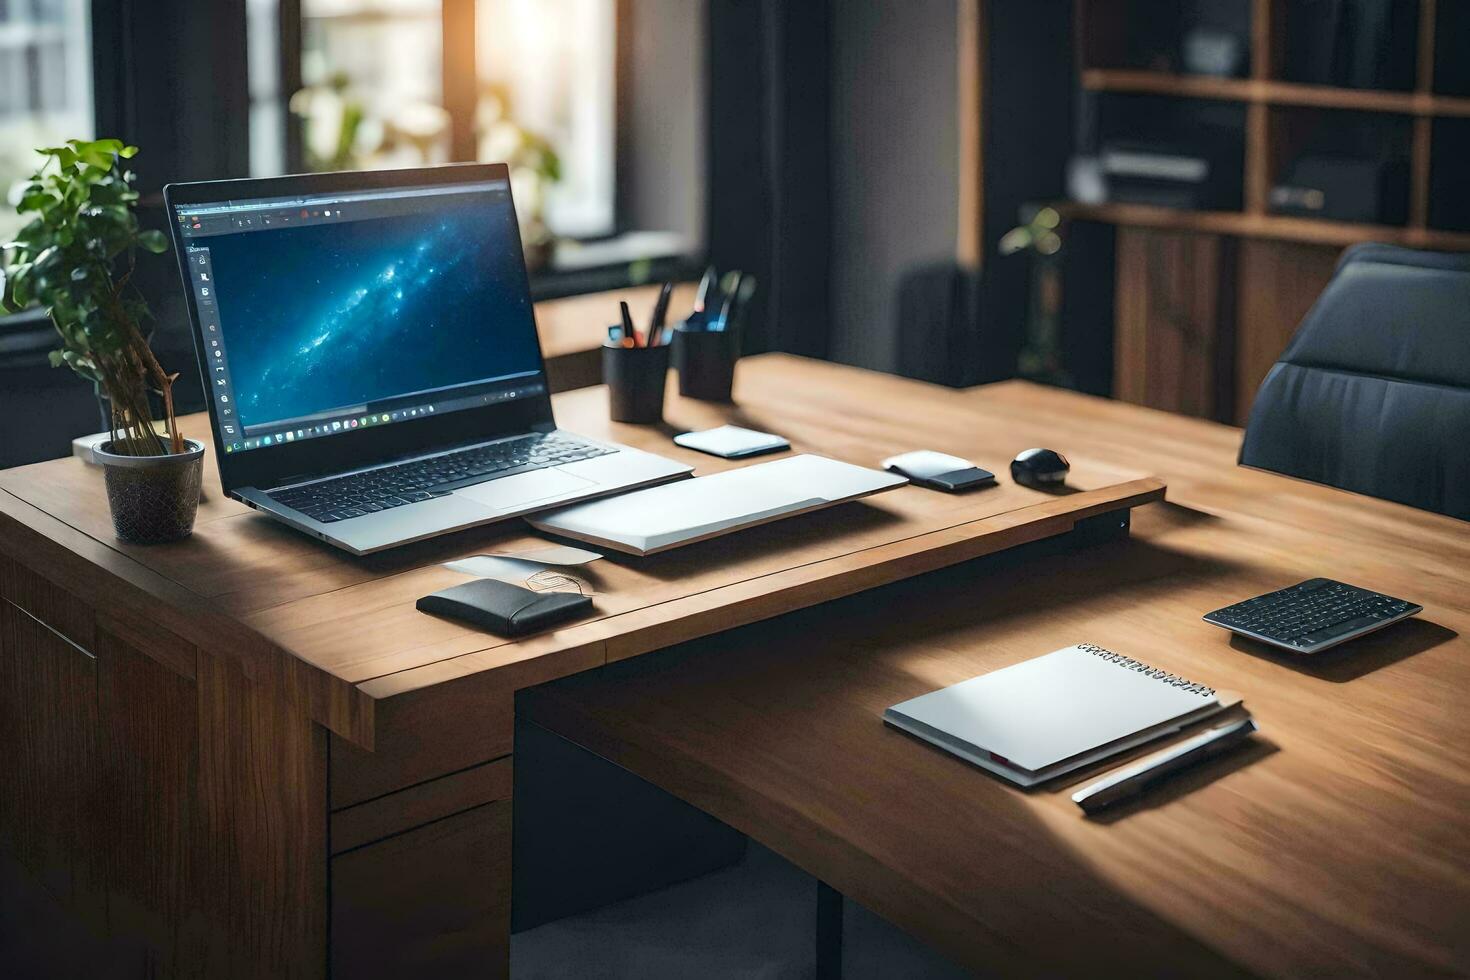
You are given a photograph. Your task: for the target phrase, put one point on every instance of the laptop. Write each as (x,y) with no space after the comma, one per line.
(369,354)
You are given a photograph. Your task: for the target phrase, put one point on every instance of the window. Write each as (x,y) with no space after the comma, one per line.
(547,69)
(372,72)
(541,96)
(45,89)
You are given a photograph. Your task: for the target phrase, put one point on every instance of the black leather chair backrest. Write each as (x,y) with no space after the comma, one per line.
(1373,392)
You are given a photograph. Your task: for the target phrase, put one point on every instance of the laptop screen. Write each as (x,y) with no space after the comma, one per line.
(330,313)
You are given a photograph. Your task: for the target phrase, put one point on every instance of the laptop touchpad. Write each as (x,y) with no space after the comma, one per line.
(510,492)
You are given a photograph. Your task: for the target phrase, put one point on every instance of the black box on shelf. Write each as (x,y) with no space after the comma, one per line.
(1343,188)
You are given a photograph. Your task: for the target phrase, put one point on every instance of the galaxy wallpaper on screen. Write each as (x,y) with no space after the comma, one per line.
(333,315)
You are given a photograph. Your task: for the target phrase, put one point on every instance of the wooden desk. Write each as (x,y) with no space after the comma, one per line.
(219,734)
(1337,845)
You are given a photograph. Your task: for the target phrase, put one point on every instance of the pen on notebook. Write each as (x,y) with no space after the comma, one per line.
(628,329)
(1134,779)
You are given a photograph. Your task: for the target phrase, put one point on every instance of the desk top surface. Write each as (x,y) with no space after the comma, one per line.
(350,622)
(1338,844)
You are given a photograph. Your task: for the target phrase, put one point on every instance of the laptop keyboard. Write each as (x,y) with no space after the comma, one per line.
(365,493)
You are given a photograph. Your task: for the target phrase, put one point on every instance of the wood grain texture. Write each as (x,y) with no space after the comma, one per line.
(1278,283)
(148,731)
(1337,845)
(1174,321)
(413,807)
(49,767)
(1273,226)
(118,585)
(425,735)
(434,902)
(260,828)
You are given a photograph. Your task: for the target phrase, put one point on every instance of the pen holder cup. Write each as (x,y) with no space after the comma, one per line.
(635,379)
(705,360)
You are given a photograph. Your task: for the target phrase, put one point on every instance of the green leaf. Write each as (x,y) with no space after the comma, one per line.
(154,241)
(127,153)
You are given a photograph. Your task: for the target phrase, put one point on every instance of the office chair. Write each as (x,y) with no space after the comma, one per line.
(1373,392)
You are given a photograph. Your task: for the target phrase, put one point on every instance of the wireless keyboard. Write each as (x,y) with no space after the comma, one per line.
(346,497)
(1310,617)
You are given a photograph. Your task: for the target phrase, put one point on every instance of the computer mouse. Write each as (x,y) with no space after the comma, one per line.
(1040,468)
(939,471)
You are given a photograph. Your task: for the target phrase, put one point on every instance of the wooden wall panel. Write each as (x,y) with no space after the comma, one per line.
(1279,282)
(433,902)
(1174,348)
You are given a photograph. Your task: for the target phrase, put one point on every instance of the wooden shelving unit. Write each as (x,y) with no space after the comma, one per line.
(1273,92)
(1207,358)
(1280,227)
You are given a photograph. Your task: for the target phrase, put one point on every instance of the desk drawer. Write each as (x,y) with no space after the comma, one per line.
(49,605)
(424,735)
(434,901)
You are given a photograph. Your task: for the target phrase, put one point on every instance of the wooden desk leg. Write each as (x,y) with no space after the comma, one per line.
(829,932)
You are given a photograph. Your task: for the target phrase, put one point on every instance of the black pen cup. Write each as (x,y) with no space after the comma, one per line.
(635,379)
(705,360)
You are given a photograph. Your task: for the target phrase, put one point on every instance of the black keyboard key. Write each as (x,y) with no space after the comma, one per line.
(1342,629)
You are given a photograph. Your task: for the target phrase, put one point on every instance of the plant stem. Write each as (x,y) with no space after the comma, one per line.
(147,362)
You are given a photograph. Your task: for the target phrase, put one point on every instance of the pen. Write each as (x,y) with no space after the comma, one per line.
(1135,778)
(615,336)
(628,329)
(705,282)
(729,304)
(661,310)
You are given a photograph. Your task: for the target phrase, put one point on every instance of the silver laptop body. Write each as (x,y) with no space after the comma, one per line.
(368,349)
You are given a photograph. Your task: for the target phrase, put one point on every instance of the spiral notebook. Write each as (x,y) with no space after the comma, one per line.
(1057,713)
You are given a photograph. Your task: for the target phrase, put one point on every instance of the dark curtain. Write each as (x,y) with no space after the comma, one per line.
(768,176)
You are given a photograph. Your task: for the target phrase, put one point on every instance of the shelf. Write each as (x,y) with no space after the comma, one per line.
(1272,92)
(1264,226)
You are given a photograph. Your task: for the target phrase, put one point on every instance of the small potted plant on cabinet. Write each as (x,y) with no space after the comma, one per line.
(75,258)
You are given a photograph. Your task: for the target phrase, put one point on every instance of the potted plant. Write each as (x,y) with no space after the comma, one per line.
(75,259)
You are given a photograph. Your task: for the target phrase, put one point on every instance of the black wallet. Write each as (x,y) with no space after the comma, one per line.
(506,609)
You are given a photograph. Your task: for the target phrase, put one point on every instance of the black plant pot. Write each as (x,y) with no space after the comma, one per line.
(153,498)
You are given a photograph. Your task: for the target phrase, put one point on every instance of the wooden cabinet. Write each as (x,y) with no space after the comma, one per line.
(49,764)
(1200,318)
(1173,348)
(156,819)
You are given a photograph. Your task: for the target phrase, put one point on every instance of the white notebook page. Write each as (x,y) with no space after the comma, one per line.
(1050,708)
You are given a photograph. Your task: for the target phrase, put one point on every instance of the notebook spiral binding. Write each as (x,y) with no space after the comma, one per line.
(1162,675)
